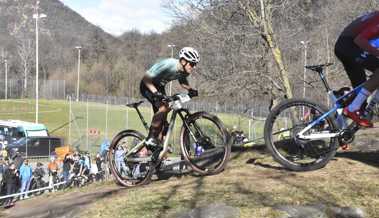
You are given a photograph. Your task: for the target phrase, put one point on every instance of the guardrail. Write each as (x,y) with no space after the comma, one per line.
(32,191)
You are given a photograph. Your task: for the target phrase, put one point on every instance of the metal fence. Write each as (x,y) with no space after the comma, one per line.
(88,122)
(48,89)
(109,115)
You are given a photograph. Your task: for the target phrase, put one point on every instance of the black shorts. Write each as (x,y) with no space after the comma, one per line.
(145,92)
(355,60)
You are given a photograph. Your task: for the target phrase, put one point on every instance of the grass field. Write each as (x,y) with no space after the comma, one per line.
(55,115)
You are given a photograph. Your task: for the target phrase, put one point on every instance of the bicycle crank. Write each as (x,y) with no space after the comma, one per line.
(346,136)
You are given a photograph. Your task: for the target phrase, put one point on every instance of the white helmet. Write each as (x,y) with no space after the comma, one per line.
(189,54)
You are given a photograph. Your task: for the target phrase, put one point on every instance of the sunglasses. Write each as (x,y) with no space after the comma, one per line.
(192,64)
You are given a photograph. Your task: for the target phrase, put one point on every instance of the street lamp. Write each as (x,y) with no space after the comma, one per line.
(37,16)
(6,78)
(172,46)
(305,45)
(78,81)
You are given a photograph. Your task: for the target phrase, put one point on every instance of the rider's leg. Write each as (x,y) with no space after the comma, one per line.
(373,83)
(156,126)
(165,125)
(355,61)
(369,86)
(160,112)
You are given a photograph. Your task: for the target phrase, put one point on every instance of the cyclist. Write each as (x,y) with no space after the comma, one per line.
(152,87)
(354,50)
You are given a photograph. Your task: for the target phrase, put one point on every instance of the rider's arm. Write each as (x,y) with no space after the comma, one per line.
(184,83)
(362,40)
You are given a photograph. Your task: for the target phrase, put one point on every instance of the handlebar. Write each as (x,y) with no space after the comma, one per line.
(183,97)
(175,102)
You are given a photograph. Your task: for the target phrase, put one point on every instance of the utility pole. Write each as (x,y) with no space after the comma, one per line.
(37,16)
(6,78)
(172,46)
(78,80)
(305,45)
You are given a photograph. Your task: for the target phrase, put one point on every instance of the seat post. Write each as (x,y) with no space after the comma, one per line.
(141,117)
(323,79)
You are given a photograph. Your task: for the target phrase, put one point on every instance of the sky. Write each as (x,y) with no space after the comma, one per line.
(118,16)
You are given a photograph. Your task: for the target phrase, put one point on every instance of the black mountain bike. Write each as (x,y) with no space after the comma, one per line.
(204,143)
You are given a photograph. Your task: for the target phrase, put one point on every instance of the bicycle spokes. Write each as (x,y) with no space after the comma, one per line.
(301,135)
(131,160)
(205,144)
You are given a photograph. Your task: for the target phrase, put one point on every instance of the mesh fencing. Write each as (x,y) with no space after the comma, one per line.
(86,122)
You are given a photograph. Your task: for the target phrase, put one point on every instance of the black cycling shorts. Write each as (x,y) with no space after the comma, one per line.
(355,60)
(145,92)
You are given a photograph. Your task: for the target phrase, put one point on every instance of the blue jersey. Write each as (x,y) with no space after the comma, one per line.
(167,70)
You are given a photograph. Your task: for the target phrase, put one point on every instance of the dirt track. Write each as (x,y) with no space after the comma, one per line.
(59,205)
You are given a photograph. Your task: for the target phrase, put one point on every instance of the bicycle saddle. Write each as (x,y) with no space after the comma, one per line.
(134,104)
(319,67)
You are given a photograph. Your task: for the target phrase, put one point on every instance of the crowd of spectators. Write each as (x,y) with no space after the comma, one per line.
(17,174)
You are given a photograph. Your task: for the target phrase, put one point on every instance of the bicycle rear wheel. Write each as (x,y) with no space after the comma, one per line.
(134,169)
(205,144)
(283,124)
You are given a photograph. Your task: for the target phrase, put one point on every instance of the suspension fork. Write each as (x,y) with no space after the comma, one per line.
(185,123)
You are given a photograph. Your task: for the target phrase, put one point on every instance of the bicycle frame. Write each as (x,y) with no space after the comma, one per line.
(338,104)
(183,113)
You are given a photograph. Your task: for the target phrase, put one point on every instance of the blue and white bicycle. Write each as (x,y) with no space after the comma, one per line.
(303,135)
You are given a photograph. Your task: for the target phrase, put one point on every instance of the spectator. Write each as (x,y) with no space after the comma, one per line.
(4,152)
(76,167)
(17,158)
(99,160)
(104,147)
(2,170)
(26,177)
(119,157)
(84,170)
(53,171)
(67,162)
(39,172)
(11,179)
(87,161)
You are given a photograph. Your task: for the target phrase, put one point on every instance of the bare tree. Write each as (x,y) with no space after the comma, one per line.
(25,52)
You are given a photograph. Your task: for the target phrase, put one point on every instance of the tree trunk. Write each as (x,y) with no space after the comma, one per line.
(268,34)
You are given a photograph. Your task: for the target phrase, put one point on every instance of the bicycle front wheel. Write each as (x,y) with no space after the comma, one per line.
(281,130)
(205,143)
(133,169)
